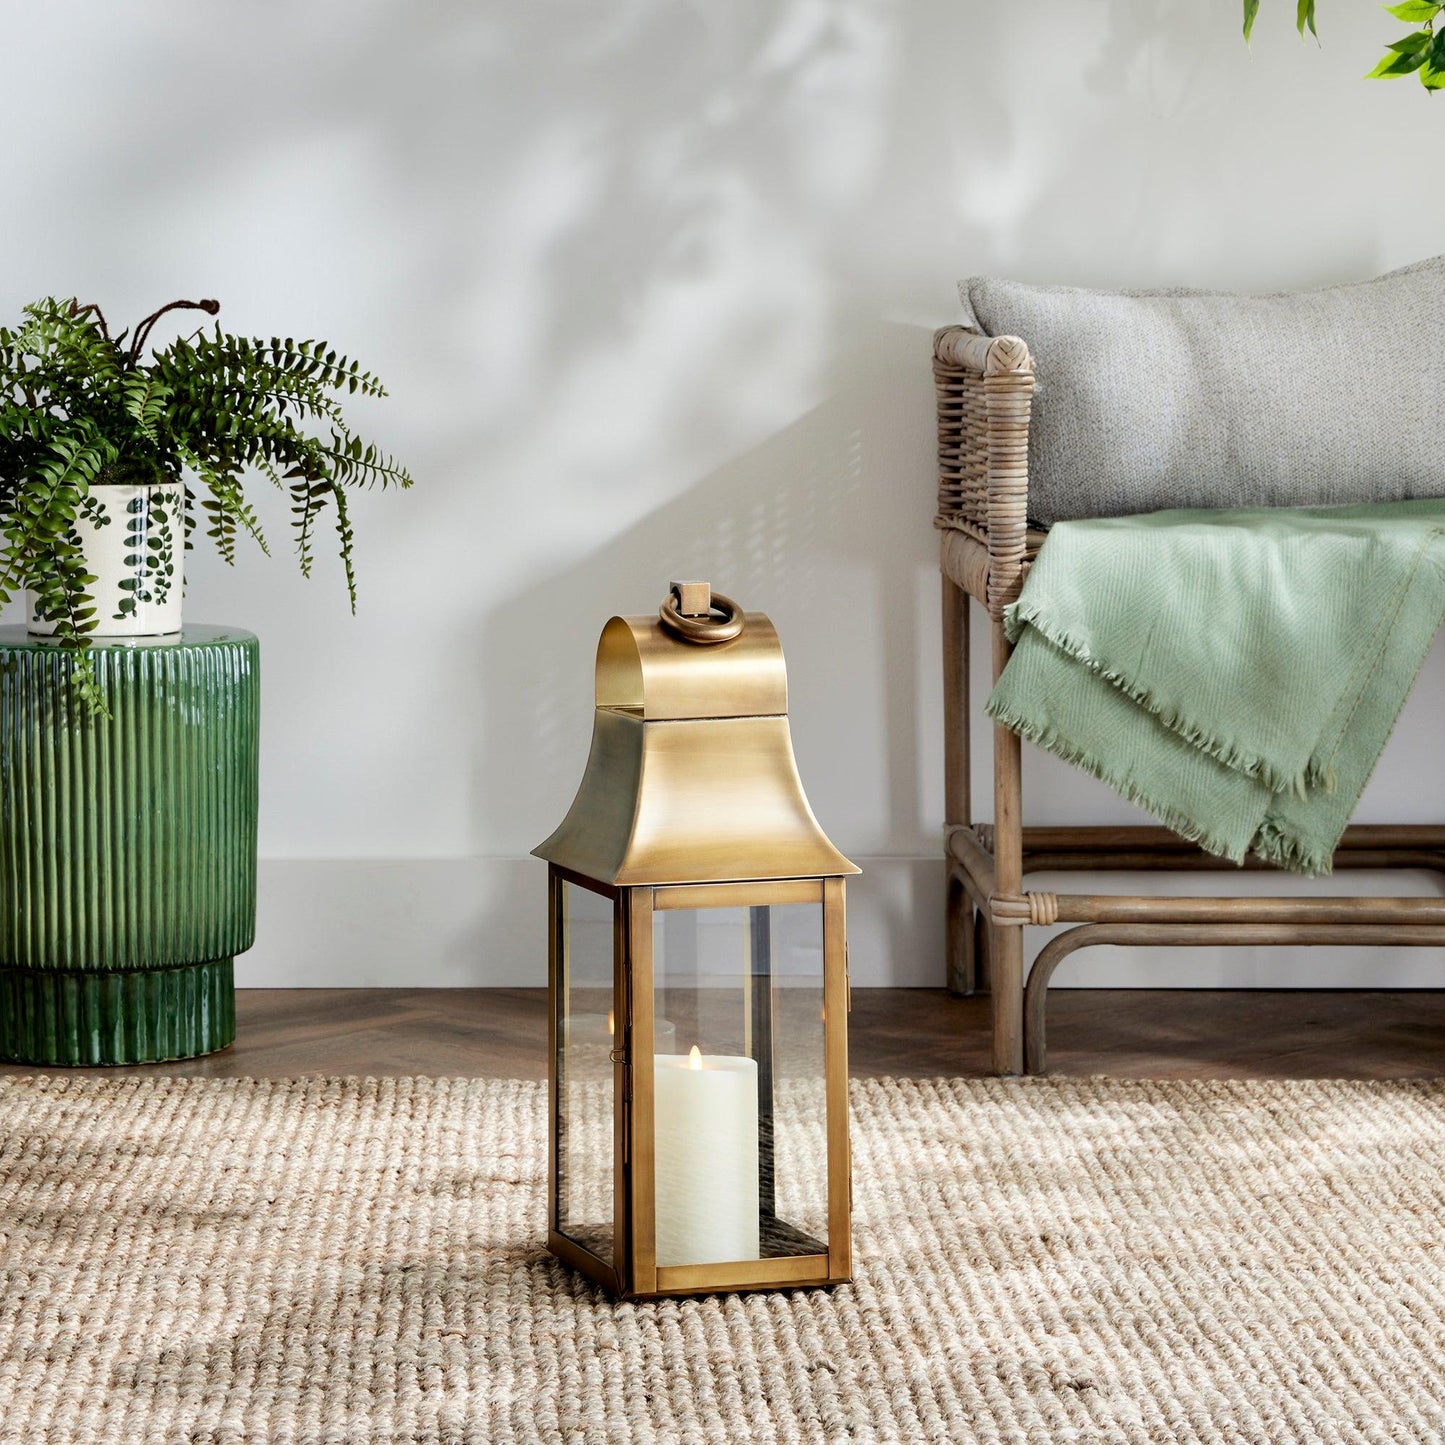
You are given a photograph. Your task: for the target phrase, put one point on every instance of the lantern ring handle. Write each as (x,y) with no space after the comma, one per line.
(723,622)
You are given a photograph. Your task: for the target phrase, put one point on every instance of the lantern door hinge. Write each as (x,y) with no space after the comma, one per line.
(626,1086)
(622,1060)
(618,1056)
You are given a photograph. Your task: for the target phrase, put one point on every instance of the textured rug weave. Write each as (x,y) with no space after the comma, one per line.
(1038,1261)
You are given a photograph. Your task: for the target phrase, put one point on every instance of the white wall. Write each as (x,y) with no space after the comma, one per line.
(652,284)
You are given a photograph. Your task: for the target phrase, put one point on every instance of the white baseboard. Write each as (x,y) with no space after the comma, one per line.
(469,922)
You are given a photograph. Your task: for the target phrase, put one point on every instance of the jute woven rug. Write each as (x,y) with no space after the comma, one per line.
(357,1261)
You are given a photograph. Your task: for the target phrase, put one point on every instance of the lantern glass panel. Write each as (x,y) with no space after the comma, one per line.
(585,1073)
(740,1129)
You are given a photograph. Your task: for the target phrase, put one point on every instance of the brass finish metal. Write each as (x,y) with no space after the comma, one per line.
(555,945)
(644,669)
(693,599)
(691,777)
(583,881)
(583,1261)
(704,630)
(567,1249)
(746,1274)
(737,895)
(635,1273)
(697,614)
(835,1072)
(691,800)
(640,1276)
(622,1075)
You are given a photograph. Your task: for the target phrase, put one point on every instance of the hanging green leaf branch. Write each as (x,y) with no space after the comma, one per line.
(1420,51)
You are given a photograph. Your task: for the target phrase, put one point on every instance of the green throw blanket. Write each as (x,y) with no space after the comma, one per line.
(1235,673)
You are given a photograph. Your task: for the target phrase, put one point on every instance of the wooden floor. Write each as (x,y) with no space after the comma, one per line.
(501,1033)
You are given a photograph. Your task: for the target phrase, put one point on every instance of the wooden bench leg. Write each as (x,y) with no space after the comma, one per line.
(961,936)
(1006,989)
(967,923)
(961,955)
(1006,944)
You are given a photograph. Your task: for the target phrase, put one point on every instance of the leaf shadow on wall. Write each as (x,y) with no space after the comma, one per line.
(774,528)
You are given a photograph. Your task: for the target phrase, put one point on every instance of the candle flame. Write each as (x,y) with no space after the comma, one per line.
(694,1059)
(611,1027)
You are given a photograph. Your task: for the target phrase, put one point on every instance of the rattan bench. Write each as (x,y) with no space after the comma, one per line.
(985,388)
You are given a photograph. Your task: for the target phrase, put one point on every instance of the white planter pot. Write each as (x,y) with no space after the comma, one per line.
(134,542)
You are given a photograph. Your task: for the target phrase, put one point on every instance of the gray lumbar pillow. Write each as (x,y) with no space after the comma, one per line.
(1155,399)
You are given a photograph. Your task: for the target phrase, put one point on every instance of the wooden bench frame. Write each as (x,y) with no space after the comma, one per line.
(984,390)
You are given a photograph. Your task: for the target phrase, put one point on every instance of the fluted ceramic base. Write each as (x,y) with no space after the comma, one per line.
(141,1016)
(127,846)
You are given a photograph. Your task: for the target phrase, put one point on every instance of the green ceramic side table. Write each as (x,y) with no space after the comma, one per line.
(127,846)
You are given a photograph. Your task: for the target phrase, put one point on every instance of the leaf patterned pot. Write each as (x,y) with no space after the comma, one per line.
(134,542)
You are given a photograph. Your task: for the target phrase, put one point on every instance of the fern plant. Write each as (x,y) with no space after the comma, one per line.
(81,409)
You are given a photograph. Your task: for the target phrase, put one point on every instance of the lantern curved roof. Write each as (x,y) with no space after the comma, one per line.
(691,777)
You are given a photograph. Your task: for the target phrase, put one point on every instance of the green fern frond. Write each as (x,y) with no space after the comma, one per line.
(347,539)
(81,408)
(40,519)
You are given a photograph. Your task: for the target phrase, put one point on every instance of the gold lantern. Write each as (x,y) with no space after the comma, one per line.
(698,975)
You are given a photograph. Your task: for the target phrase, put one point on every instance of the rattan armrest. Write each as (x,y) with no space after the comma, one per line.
(957,346)
(985,390)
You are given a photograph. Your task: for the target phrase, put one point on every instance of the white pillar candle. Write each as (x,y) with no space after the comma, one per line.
(705,1135)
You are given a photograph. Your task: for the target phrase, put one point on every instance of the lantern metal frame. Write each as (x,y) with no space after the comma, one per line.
(633,1272)
(691,800)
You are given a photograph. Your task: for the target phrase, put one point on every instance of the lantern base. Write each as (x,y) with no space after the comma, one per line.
(791,1259)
